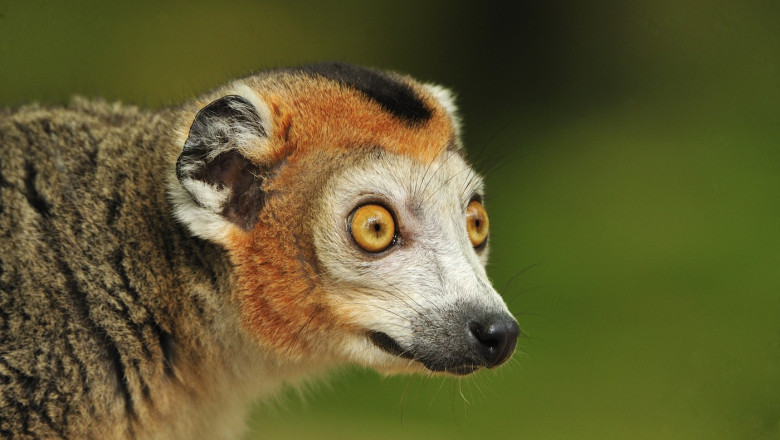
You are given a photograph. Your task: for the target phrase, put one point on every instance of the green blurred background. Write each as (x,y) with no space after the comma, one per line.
(633,172)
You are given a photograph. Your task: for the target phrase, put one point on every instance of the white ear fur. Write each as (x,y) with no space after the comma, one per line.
(201,221)
(446,99)
(261,107)
(198,202)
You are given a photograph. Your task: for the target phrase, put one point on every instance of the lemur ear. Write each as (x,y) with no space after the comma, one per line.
(213,169)
(446,99)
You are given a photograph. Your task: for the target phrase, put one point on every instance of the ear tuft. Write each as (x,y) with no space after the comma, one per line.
(446,99)
(222,183)
(228,123)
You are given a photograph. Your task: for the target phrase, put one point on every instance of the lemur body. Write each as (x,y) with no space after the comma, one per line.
(161,270)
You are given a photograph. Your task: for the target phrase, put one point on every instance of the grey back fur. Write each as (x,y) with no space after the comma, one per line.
(89,256)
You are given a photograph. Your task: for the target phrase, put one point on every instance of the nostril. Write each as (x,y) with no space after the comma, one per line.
(495,339)
(485,335)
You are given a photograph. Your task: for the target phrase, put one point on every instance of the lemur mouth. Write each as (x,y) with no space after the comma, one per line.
(388,344)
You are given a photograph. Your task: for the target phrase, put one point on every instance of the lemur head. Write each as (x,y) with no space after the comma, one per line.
(355,227)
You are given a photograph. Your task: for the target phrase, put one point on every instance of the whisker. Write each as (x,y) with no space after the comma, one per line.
(441,165)
(393,286)
(460,391)
(492,138)
(420,310)
(427,169)
(517,274)
(288,351)
(441,385)
(384,309)
(476,385)
(472,179)
(403,399)
(513,295)
(426,379)
(442,185)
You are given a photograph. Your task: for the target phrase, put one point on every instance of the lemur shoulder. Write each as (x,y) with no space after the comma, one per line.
(160,270)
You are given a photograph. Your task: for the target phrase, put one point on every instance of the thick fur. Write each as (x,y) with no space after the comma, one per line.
(159,270)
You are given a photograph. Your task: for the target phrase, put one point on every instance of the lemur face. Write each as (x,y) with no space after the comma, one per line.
(402,246)
(355,227)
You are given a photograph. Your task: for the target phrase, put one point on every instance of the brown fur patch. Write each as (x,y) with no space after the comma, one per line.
(278,286)
(320,115)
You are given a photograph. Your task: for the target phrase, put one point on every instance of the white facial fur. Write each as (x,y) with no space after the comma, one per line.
(421,291)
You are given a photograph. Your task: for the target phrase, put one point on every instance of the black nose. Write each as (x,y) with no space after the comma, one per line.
(494,338)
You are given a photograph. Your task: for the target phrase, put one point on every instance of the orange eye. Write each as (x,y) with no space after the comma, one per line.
(372,227)
(477,223)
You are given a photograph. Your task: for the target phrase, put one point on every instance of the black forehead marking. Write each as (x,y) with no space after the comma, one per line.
(391,94)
